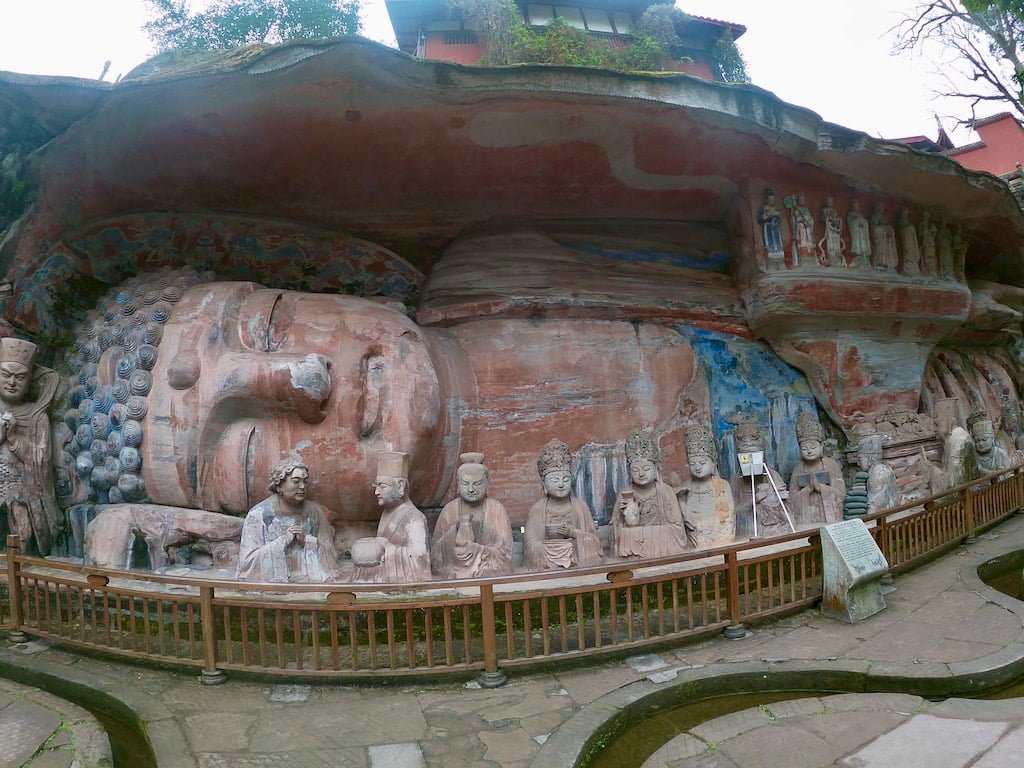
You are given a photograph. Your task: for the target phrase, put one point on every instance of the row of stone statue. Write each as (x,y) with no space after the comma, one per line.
(924,248)
(288,538)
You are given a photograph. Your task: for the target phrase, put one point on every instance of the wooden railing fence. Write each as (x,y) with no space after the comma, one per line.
(350,631)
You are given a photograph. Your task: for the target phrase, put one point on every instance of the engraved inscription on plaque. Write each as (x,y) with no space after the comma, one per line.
(856,546)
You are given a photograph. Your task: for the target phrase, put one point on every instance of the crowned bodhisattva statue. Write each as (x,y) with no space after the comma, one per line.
(647,520)
(706,499)
(560,530)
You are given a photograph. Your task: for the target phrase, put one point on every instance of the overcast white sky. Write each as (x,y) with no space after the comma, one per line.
(831,56)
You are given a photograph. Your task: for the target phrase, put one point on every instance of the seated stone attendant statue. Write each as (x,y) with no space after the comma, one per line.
(560,531)
(817,489)
(1009,437)
(706,499)
(990,457)
(771,516)
(473,536)
(399,551)
(647,520)
(286,538)
(28,506)
(959,460)
(883,490)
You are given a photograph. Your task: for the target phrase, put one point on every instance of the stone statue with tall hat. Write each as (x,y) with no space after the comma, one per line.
(28,506)
(560,530)
(706,498)
(990,456)
(817,489)
(647,520)
(399,552)
(287,537)
(473,535)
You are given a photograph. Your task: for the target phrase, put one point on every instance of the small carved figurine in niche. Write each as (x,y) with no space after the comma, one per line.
(908,240)
(706,499)
(473,536)
(958,458)
(287,538)
(817,487)
(771,517)
(830,247)
(883,240)
(990,457)
(647,520)
(399,551)
(944,248)
(959,254)
(883,490)
(560,531)
(860,237)
(770,219)
(1010,438)
(28,506)
(802,228)
(926,232)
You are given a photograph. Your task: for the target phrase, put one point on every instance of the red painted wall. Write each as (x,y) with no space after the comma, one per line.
(1001,147)
(435,48)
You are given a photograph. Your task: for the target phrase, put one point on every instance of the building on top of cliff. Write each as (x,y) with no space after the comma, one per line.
(435,29)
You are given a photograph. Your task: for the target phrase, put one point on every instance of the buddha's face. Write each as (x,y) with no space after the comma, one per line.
(558,484)
(257,374)
(701,466)
(810,449)
(14,381)
(292,489)
(868,457)
(983,436)
(390,491)
(473,484)
(642,472)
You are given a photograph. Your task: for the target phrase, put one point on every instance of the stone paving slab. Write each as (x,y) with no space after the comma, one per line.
(928,742)
(38,730)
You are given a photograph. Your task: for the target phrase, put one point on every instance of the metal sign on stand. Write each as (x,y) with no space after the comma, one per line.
(752,466)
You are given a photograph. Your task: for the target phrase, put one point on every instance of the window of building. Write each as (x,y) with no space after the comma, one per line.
(571,16)
(590,19)
(598,21)
(460,37)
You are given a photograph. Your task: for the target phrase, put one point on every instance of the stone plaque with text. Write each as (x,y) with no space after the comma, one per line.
(853,566)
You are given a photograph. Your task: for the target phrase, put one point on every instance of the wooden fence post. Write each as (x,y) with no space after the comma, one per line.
(16,635)
(491,677)
(210,675)
(735,630)
(969,537)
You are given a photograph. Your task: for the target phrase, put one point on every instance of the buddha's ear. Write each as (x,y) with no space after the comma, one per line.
(373,395)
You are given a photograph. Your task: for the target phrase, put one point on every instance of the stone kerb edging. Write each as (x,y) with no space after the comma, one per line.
(611,714)
(118,698)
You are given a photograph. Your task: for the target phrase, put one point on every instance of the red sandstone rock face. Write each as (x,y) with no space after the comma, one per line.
(586,383)
(521,338)
(862,340)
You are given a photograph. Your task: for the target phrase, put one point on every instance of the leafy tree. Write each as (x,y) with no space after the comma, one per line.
(985,43)
(233,23)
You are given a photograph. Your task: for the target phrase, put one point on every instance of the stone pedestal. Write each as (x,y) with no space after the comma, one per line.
(854,566)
